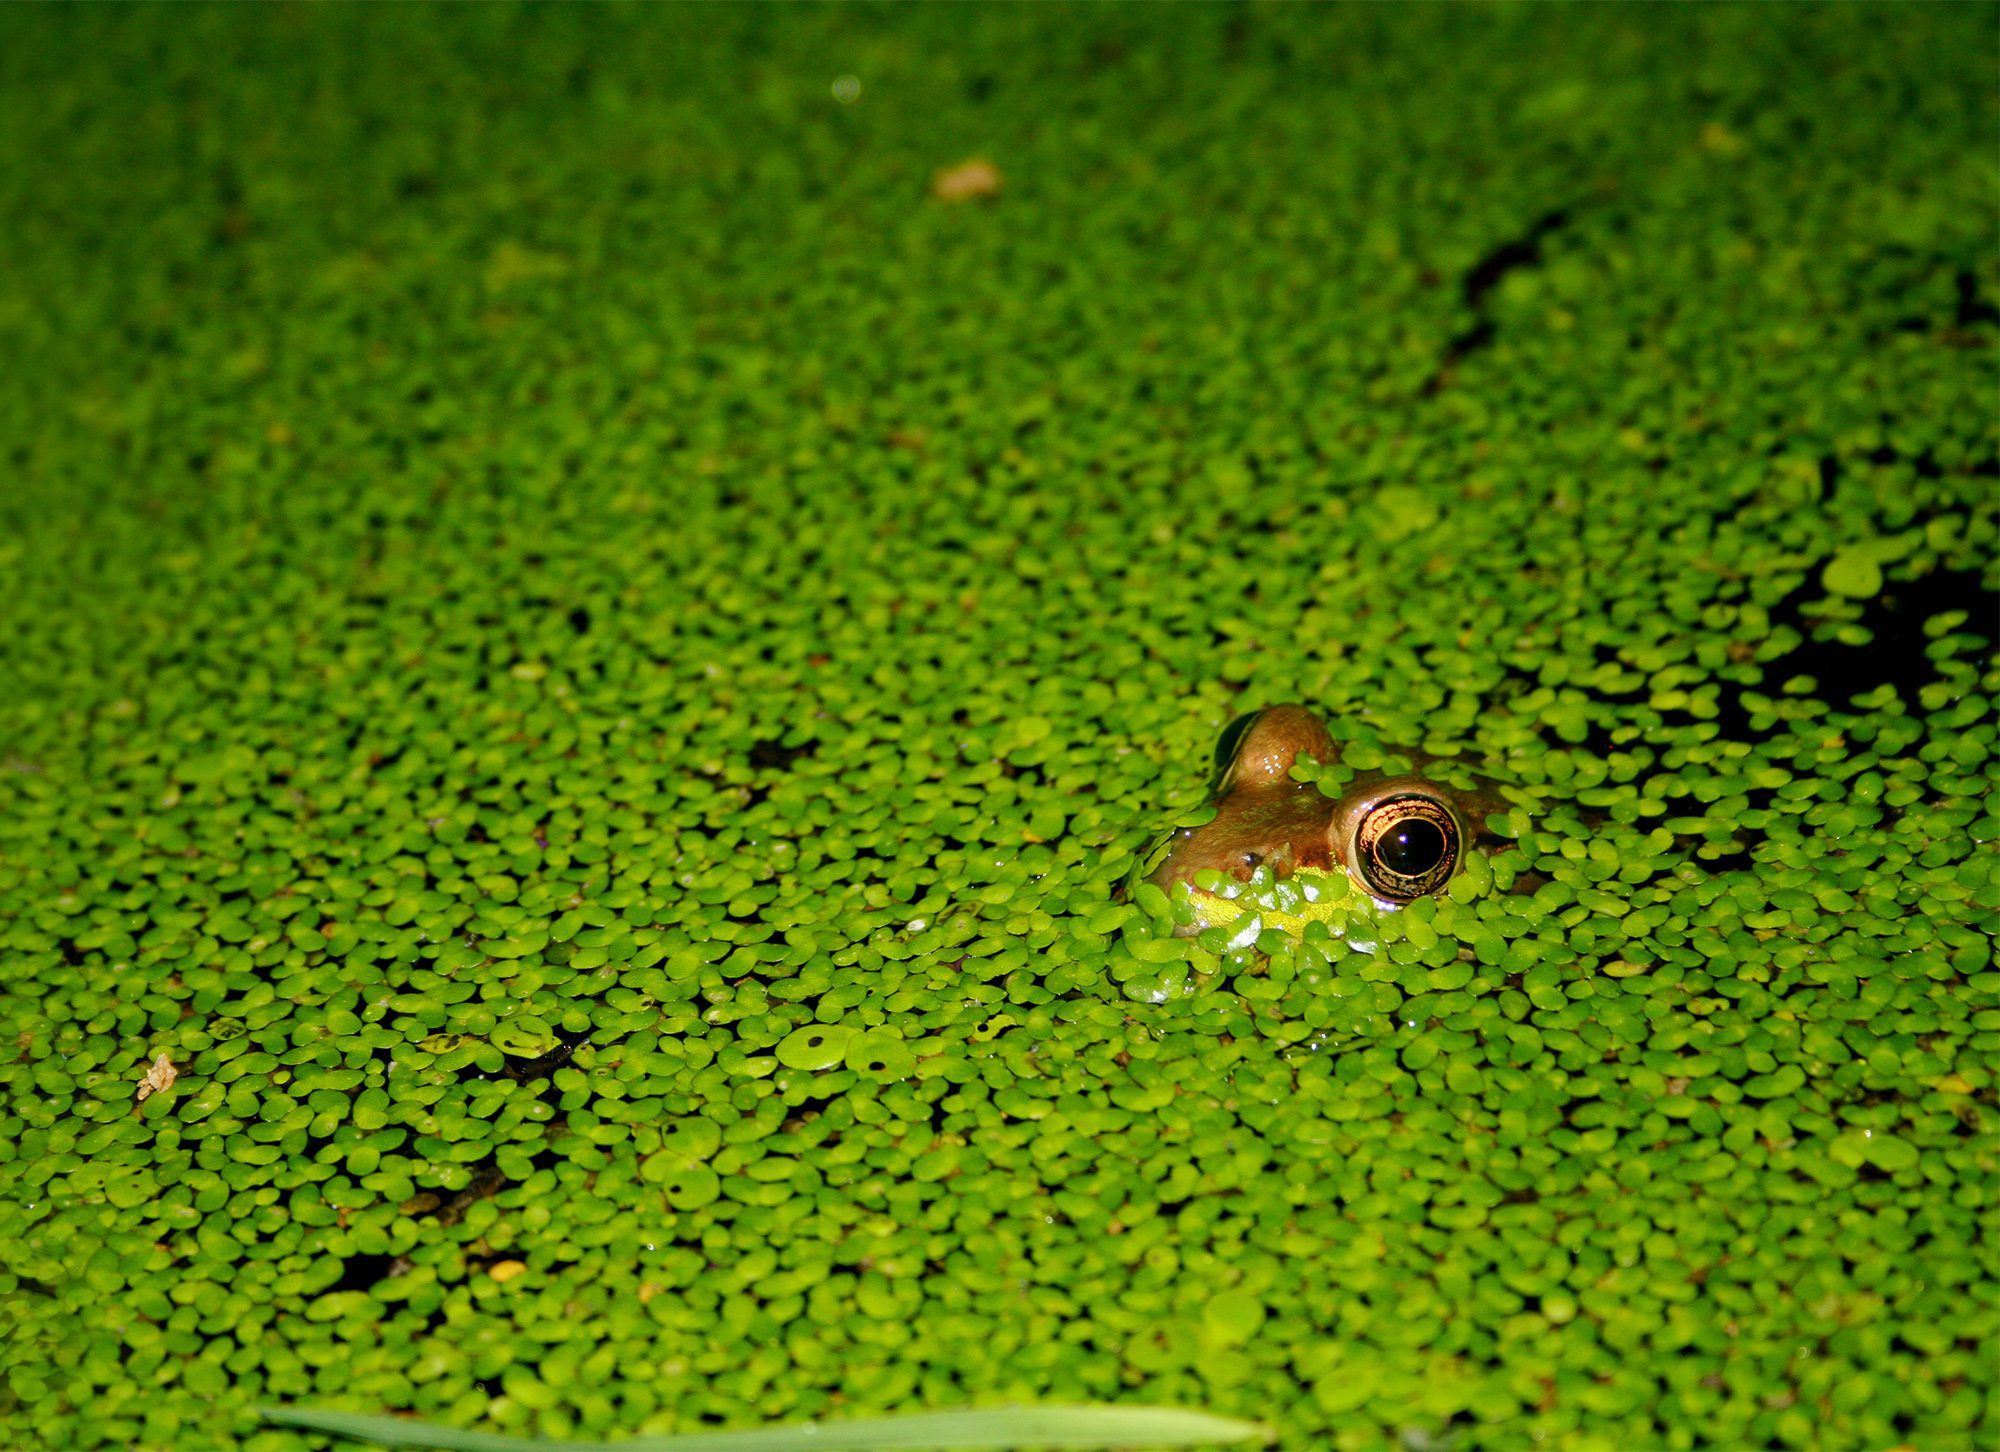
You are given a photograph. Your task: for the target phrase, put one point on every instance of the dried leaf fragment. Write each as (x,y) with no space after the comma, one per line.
(967,182)
(160,1076)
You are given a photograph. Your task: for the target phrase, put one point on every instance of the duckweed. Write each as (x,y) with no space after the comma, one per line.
(586,659)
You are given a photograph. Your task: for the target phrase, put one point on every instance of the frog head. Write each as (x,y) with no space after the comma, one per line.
(1391,838)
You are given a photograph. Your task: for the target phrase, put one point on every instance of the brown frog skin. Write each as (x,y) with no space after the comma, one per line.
(1398,837)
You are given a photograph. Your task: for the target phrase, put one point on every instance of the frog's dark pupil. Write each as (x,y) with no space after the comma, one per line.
(1410,848)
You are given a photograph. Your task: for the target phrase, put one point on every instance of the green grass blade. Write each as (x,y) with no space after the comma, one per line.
(996,1429)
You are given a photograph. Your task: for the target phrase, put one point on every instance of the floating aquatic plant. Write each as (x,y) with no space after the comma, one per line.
(584,661)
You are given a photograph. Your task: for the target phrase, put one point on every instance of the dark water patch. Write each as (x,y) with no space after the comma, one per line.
(487,1181)
(1477,285)
(773,755)
(1895,619)
(364,1272)
(527,1071)
(1515,253)
(1972,309)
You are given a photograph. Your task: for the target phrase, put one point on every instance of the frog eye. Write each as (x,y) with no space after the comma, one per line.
(1405,847)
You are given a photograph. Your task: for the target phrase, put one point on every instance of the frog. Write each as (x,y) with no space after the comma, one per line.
(1392,839)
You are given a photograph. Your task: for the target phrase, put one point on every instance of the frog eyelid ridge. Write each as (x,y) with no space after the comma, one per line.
(1271,742)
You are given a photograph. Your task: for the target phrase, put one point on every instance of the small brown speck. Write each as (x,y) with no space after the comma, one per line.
(969,181)
(160,1076)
